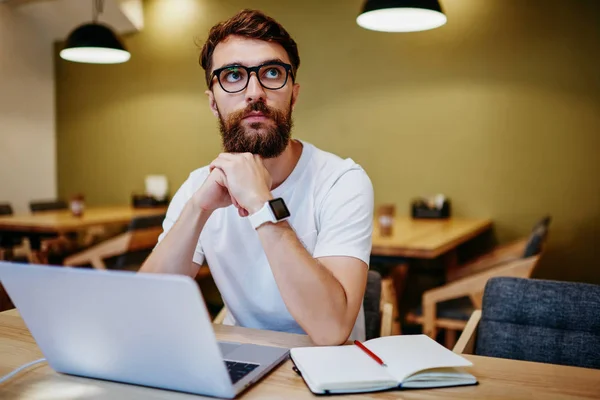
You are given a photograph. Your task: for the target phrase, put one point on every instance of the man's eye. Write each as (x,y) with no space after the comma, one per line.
(233,75)
(272,73)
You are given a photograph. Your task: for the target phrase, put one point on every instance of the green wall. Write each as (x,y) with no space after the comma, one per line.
(499,109)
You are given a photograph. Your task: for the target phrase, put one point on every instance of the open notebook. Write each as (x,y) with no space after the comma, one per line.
(413,361)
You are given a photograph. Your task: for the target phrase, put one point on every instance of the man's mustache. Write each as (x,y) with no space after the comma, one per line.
(257,106)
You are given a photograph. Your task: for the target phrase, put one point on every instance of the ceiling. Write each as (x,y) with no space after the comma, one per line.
(56,18)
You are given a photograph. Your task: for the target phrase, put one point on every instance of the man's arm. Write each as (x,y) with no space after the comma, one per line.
(323,295)
(174,254)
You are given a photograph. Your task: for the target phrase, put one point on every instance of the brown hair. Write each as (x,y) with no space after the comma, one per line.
(251,24)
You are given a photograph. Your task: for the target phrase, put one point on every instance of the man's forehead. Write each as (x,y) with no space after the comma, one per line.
(248,52)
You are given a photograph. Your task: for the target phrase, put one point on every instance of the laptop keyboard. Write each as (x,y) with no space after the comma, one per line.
(238,370)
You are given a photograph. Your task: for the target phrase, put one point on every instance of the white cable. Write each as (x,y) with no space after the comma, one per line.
(21,368)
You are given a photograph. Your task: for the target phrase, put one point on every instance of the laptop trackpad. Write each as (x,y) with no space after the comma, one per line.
(228,347)
(252,353)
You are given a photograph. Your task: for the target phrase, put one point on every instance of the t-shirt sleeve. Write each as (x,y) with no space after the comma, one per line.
(182,196)
(346,218)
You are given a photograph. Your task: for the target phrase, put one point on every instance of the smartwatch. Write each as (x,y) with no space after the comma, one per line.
(273,211)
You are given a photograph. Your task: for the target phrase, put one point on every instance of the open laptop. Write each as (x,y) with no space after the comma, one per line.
(145,329)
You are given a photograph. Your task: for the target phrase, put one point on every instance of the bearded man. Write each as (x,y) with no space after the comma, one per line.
(284,226)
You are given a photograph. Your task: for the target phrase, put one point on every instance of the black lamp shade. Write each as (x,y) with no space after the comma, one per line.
(401,15)
(94,43)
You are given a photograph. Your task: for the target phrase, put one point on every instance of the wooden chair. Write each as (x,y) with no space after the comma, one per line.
(140,237)
(47,205)
(51,244)
(372,296)
(450,306)
(522,248)
(470,288)
(394,272)
(13,248)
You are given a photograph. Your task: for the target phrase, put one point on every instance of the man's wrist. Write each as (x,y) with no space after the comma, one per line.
(195,210)
(257,204)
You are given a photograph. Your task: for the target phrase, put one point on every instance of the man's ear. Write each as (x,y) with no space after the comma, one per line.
(295,92)
(212,103)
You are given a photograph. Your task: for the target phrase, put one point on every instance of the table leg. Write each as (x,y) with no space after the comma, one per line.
(38,255)
(399,274)
(450,340)
(388,295)
(450,261)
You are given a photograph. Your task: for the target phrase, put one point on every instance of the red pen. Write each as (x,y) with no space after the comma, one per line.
(370,353)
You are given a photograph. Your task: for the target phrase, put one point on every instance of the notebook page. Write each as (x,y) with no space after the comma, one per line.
(341,368)
(440,377)
(408,354)
(439,374)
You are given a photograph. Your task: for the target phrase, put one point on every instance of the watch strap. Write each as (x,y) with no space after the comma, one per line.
(264,215)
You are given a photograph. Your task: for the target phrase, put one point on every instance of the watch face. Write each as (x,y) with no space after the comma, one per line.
(279,208)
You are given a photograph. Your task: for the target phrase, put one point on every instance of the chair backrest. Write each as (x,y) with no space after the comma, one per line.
(143,235)
(542,321)
(48,205)
(371,304)
(125,251)
(537,238)
(6,209)
(151,221)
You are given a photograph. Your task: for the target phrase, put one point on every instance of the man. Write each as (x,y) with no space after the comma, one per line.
(304,274)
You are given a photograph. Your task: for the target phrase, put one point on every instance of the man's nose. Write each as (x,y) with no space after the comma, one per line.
(255,91)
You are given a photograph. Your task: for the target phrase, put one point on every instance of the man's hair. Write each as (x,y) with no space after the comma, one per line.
(251,24)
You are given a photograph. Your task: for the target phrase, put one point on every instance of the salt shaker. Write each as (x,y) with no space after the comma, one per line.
(77,205)
(386,219)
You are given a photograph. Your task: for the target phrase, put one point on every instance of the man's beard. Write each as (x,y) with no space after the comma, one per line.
(268,144)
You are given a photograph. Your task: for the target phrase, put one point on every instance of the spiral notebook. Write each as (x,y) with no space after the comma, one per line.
(411,362)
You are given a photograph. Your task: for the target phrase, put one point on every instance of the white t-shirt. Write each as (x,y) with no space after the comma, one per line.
(331,206)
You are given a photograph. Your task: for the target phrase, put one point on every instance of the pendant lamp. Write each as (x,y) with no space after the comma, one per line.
(401,15)
(94,43)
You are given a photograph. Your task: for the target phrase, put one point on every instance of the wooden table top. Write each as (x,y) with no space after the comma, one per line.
(63,221)
(426,238)
(498,378)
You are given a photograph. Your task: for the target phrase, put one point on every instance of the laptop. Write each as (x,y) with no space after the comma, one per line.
(144,329)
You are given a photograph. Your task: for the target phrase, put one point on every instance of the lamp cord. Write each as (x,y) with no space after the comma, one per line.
(97,9)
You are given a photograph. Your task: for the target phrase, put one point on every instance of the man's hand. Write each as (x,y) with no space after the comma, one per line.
(213,193)
(247,179)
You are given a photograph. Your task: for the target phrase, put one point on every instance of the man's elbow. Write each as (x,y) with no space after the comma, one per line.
(331,335)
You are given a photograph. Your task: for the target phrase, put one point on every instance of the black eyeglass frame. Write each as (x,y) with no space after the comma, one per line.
(249,70)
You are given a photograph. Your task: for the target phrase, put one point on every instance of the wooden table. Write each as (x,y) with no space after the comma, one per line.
(498,378)
(57,222)
(421,239)
(425,238)
(47,224)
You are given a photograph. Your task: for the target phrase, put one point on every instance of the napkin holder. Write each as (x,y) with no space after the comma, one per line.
(426,209)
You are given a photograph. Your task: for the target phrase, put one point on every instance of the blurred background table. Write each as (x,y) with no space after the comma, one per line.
(47,224)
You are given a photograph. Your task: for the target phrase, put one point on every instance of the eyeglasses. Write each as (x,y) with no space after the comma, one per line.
(234,78)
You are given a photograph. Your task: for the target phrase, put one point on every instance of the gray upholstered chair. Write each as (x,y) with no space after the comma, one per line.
(449,306)
(536,320)
(372,305)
